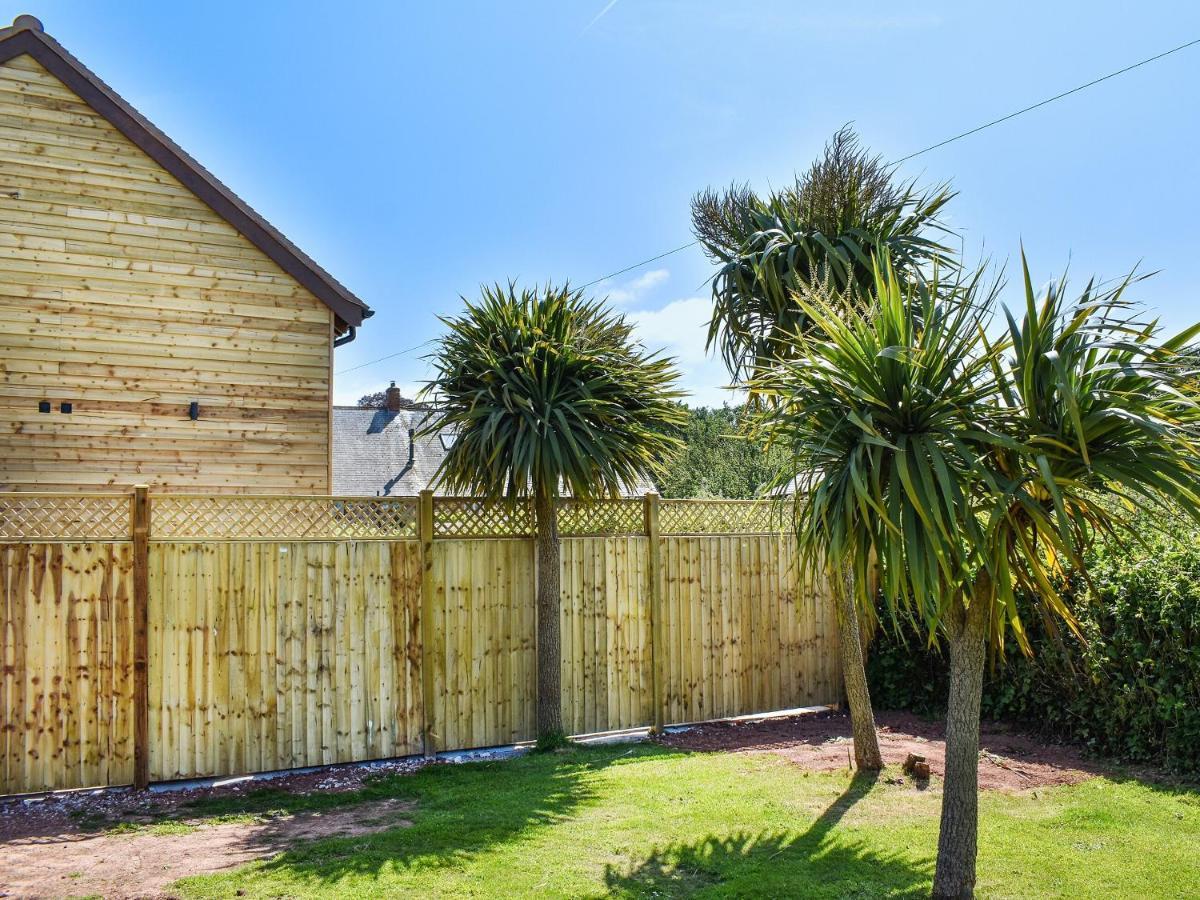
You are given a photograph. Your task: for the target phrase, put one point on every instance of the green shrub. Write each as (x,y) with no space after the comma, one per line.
(1130,691)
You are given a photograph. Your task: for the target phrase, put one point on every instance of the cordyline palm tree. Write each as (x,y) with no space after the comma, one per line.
(545,390)
(826,229)
(970,472)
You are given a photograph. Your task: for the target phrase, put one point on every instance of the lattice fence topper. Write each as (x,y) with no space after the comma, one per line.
(723,516)
(581,518)
(62,517)
(473,517)
(244,517)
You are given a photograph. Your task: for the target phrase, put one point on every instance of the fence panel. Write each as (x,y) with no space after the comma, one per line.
(606,634)
(288,631)
(67,686)
(277,655)
(741,635)
(483,643)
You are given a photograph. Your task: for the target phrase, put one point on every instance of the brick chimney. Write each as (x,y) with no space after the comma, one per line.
(392,400)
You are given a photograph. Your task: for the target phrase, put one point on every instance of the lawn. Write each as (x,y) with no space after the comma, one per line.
(646,821)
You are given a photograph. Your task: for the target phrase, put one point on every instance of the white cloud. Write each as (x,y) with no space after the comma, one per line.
(633,291)
(680,329)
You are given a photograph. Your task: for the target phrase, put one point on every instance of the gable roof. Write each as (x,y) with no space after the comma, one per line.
(377,453)
(25,36)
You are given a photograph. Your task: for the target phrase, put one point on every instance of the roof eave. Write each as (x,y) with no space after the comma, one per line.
(19,40)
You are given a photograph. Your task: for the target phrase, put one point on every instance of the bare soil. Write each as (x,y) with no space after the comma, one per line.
(1009,760)
(87,843)
(74,863)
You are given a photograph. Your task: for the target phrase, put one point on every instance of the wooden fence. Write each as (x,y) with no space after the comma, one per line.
(165,637)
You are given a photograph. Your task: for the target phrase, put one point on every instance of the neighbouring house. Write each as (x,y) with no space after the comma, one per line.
(377,451)
(380,451)
(156,329)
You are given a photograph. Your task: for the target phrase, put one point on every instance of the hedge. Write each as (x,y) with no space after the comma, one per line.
(1130,691)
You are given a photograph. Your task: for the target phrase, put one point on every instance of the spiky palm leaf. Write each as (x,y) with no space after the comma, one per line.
(877,407)
(1098,406)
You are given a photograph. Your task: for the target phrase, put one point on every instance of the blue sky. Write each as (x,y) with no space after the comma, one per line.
(416,150)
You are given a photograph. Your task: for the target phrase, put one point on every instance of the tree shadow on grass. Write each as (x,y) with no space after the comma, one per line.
(455,814)
(816,863)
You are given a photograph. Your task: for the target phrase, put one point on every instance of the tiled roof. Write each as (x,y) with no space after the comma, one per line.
(376,453)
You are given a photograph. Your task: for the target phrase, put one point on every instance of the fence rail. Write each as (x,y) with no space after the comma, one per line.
(270,517)
(173,636)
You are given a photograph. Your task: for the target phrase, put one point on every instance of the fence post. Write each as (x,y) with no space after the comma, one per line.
(658,651)
(425,533)
(141,637)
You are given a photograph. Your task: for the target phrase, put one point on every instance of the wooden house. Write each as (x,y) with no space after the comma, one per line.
(153,328)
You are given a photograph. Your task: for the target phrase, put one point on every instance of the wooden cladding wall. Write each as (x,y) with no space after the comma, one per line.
(66,694)
(267,653)
(126,296)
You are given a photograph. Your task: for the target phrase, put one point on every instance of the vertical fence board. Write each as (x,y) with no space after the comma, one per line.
(740,635)
(604,610)
(68,665)
(483,581)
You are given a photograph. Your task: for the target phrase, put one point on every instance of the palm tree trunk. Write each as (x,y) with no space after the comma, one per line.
(958,837)
(854,676)
(549,629)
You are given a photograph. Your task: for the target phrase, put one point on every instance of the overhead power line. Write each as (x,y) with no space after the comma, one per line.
(1041,103)
(949,140)
(638,265)
(931,147)
(384,358)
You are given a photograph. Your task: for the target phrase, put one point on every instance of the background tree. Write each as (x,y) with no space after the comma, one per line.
(718,459)
(969,471)
(547,390)
(825,229)
(375,400)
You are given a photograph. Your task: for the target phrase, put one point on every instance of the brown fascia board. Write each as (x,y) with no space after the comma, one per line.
(24,38)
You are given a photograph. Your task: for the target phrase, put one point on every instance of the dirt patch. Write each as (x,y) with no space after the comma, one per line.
(65,811)
(144,864)
(1009,759)
(119,843)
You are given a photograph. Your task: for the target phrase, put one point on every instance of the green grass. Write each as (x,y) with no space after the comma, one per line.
(175,826)
(646,822)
